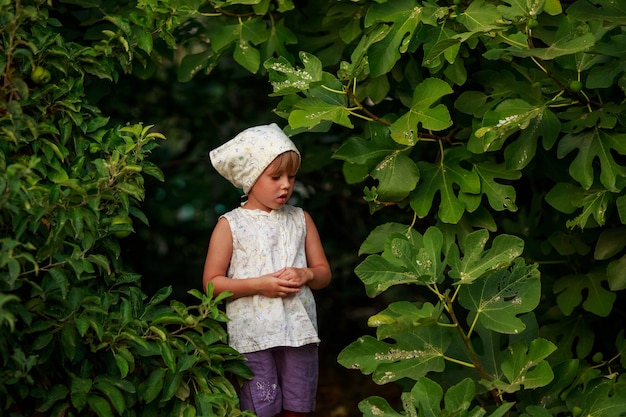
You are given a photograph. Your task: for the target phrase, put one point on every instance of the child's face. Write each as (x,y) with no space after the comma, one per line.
(272,189)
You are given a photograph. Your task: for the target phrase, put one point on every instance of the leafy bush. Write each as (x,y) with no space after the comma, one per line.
(79,337)
(497,129)
(489,134)
(492,132)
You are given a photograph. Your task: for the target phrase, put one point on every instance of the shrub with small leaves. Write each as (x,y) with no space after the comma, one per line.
(77,334)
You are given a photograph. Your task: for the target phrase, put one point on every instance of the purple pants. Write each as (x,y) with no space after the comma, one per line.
(285,378)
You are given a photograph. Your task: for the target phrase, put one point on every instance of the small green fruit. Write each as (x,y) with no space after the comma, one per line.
(121,220)
(40,75)
(576,86)
(532,23)
(597,357)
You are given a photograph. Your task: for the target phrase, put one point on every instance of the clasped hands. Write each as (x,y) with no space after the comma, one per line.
(284,282)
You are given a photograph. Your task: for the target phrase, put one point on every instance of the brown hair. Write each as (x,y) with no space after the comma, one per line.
(287,161)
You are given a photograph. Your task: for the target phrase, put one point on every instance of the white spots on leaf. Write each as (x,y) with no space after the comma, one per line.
(399,354)
(377,411)
(298,78)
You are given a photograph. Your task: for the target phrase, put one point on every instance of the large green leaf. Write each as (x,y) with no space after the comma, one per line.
(100,406)
(594,205)
(405,129)
(519,153)
(567,198)
(359,63)
(571,288)
(610,242)
(153,385)
(497,299)
(378,274)
(397,176)
(595,145)
(53,395)
(192,64)
(525,365)
(112,393)
(247,56)
(413,354)
(459,397)
(520,9)
(402,262)
(507,118)
(377,406)
(500,196)
(440,45)
(403,316)
(225,36)
(442,178)
(573,335)
(404,16)
(565,40)
(375,241)
(480,16)
(616,274)
(279,37)
(560,48)
(287,79)
(310,112)
(428,395)
(370,152)
(476,261)
(613,12)
(604,398)
(79,389)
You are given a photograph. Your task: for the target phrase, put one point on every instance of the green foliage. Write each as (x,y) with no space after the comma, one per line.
(78,335)
(496,126)
(488,134)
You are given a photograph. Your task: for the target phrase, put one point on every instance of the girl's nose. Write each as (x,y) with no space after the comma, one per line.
(284,181)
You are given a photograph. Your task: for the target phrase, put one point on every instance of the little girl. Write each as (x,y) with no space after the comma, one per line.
(269,255)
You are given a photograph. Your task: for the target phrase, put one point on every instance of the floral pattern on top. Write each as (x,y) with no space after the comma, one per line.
(265,242)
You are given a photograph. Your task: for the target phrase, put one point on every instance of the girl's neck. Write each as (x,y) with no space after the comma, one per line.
(248,205)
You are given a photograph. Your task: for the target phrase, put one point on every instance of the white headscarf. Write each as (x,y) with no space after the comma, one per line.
(243,159)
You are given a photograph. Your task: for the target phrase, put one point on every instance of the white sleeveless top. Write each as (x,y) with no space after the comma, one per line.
(263,243)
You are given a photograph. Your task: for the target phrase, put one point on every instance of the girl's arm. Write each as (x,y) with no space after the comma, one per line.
(216,264)
(315,256)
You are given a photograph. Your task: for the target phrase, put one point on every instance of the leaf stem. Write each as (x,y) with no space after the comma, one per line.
(369,119)
(332,90)
(512,42)
(456,292)
(541,67)
(470,350)
(471,329)
(469,365)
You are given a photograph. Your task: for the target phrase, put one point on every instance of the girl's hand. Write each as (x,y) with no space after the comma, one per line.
(297,276)
(277,286)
